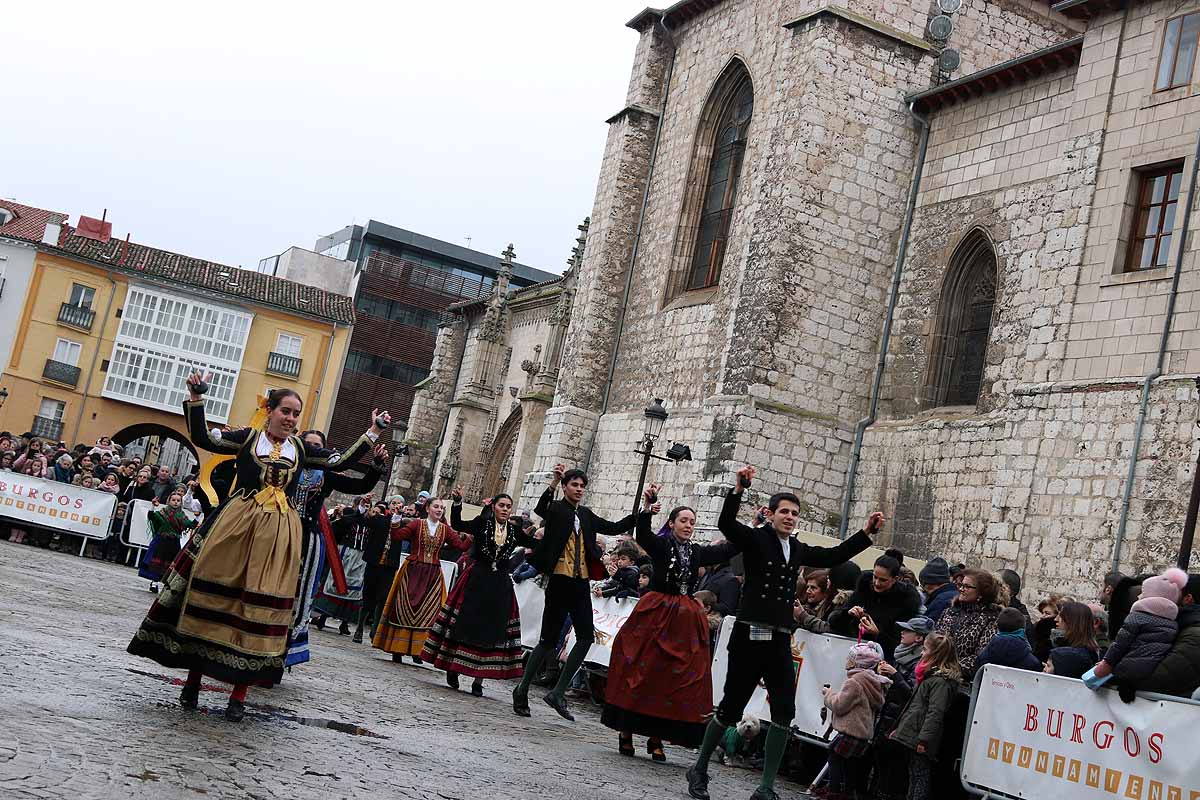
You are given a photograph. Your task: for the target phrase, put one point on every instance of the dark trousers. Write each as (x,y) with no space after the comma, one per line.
(377,582)
(567,597)
(750,662)
(920,777)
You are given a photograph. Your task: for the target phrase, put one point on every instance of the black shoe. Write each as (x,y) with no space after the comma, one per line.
(655,748)
(625,745)
(452,680)
(235,710)
(396,657)
(520,703)
(764,794)
(189,698)
(344,629)
(697,783)
(559,705)
(319,623)
(417,660)
(477,688)
(357,637)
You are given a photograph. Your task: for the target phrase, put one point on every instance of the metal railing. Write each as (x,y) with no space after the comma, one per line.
(76,316)
(59,372)
(280,364)
(47,428)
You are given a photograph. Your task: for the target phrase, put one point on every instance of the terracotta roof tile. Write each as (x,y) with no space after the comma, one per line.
(233,282)
(27,222)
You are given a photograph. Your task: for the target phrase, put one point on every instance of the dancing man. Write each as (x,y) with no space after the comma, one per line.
(760,647)
(569,555)
(478,630)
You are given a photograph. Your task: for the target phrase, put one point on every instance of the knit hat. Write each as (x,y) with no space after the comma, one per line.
(865,655)
(918,625)
(1160,594)
(935,573)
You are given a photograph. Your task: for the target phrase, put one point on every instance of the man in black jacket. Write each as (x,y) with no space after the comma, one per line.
(721,581)
(569,555)
(382,562)
(761,644)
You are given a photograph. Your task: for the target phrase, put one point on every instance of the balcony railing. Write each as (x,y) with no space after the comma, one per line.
(76,316)
(47,428)
(280,364)
(59,372)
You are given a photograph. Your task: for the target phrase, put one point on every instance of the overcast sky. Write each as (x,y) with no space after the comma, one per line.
(231,131)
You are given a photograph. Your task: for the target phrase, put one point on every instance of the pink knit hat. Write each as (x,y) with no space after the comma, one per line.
(864,655)
(1160,594)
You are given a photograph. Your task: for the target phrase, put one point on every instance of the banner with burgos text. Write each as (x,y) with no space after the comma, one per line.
(819,661)
(50,504)
(608,615)
(1036,735)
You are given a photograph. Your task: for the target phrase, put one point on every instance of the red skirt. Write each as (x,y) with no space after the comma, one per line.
(659,675)
(478,629)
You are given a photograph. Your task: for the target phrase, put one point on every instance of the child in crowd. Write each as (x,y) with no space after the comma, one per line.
(939,677)
(889,779)
(645,575)
(854,708)
(1009,647)
(110,484)
(1146,635)
(624,582)
(709,601)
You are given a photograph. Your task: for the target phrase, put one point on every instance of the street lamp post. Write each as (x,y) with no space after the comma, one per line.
(656,417)
(1189,521)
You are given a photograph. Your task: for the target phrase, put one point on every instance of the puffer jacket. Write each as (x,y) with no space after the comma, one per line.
(972,626)
(1142,643)
(1179,672)
(854,706)
(1008,650)
(925,717)
(898,604)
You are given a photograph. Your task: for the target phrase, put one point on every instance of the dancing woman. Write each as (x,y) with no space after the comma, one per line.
(659,674)
(419,589)
(226,603)
(478,630)
(308,498)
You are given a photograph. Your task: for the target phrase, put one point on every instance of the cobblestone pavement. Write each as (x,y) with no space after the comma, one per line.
(81,718)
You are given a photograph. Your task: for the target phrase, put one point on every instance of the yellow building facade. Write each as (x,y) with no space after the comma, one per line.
(102,349)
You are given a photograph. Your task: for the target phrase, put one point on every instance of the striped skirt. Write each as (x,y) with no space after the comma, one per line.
(478,630)
(227,601)
(310,573)
(417,594)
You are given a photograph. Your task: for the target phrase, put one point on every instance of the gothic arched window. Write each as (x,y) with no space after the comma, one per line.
(713,181)
(964,322)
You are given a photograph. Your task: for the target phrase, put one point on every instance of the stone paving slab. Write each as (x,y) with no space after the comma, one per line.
(80,718)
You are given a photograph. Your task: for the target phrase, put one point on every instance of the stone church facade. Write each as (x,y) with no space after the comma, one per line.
(993,191)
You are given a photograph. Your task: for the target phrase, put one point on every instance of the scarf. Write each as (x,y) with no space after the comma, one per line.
(907,656)
(1019,633)
(175,518)
(63,474)
(920,671)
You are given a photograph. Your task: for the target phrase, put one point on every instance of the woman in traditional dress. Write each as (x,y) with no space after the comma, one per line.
(226,603)
(419,590)
(478,630)
(308,498)
(659,675)
(167,524)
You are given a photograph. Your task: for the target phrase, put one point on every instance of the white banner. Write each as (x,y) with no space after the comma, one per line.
(608,615)
(62,506)
(820,661)
(1037,735)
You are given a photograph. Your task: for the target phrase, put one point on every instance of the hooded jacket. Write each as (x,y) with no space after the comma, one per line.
(1009,650)
(855,705)
(1179,671)
(925,717)
(1143,641)
(900,603)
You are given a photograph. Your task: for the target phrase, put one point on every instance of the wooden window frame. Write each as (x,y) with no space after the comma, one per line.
(1142,205)
(1162,52)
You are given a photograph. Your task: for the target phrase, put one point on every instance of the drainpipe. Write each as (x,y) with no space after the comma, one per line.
(637,241)
(112,292)
(893,298)
(1127,496)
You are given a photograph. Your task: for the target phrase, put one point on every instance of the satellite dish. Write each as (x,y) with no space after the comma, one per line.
(949,6)
(940,27)
(949,60)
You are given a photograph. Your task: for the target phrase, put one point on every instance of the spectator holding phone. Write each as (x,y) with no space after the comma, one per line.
(879,603)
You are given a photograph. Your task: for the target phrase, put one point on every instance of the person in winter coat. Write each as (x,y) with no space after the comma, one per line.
(889,778)
(912,645)
(920,728)
(1179,672)
(1147,634)
(1075,650)
(878,604)
(939,591)
(624,582)
(971,619)
(1009,647)
(720,580)
(854,708)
